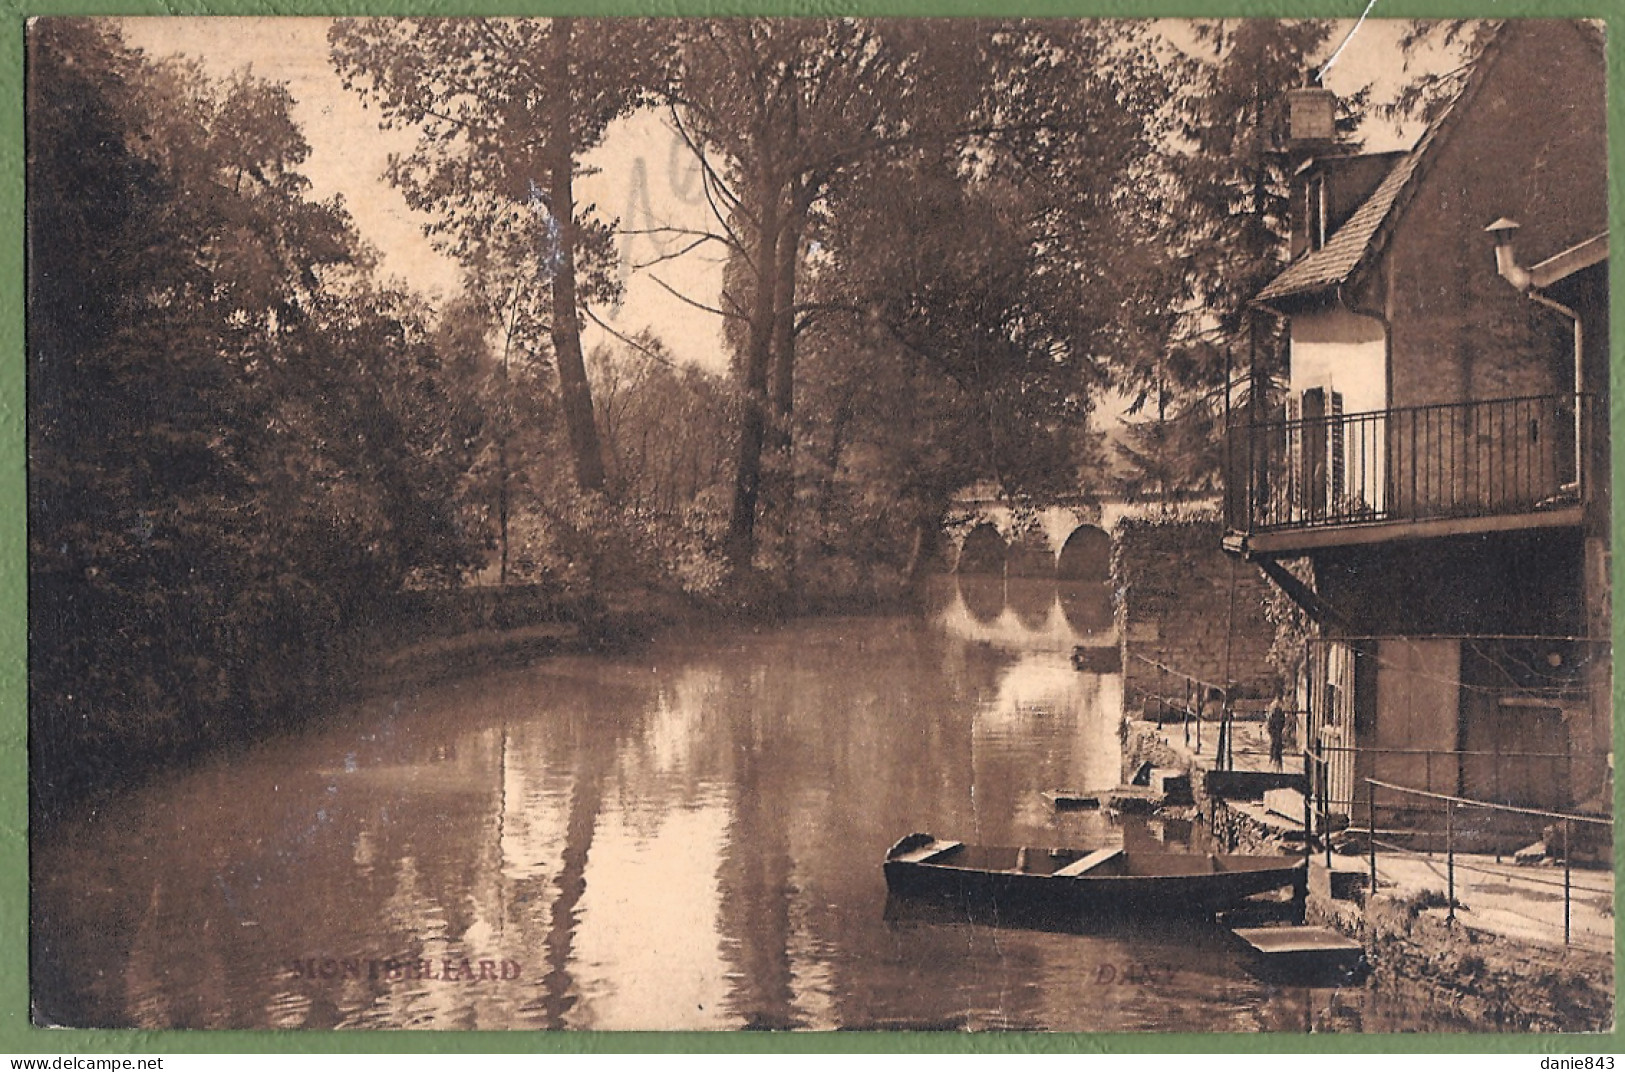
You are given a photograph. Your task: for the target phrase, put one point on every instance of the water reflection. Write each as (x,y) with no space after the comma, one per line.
(1031,602)
(649,952)
(688,838)
(1022,614)
(1088,610)
(982,597)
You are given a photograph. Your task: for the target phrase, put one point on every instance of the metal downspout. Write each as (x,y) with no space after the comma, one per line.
(1507,267)
(1579,382)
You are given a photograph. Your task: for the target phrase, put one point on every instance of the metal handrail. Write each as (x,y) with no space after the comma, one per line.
(1469,802)
(1443,752)
(1191,707)
(1177,673)
(1451,802)
(1321,753)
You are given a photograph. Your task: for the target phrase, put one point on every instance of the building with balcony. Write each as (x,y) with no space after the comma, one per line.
(1434,490)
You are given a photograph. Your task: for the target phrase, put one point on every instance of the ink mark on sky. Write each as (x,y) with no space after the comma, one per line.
(1320,76)
(551,254)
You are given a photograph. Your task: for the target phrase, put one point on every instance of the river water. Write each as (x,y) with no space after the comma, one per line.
(688,837)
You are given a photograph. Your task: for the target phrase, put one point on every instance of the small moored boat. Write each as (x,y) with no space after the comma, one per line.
(1134,799)
(1097,660)
(1080,883)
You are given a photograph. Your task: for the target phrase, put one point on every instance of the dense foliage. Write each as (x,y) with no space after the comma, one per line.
(928,225)
(238,440)
(1229,171)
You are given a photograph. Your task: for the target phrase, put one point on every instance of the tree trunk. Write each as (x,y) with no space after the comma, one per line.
(502,505)
(741,544)
(787,257)
(576,396)
(781,498)
(559,983)
(837,444)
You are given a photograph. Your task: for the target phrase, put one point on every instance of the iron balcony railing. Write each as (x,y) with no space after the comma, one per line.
(1416,463)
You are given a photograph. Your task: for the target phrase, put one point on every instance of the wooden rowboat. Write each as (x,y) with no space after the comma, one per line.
(1135,799)
(1079,883)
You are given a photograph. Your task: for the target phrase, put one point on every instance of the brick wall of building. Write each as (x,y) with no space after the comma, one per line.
(1529,145)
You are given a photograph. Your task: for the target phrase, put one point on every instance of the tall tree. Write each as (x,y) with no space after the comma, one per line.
(1236,181)
(775,108)
(666,428)
(989,270)
(500,375)
(504,110)
(1434,83)
(1225,227)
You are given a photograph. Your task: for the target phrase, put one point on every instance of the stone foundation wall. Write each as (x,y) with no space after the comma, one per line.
(1175,608)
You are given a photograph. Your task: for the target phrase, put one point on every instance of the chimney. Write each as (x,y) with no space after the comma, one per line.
(1311,114)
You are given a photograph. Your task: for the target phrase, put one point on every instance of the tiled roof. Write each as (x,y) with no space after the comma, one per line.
(1364,233)
(1337,260)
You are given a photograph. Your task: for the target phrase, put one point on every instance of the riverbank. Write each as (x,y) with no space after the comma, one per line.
(435,636)
(1484,973)
(1490,981)
(410,638)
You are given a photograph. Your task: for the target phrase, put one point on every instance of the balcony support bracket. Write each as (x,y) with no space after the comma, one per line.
(1305,597)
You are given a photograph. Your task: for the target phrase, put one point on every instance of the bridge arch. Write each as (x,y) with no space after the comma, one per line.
(1086,556)
(984,550)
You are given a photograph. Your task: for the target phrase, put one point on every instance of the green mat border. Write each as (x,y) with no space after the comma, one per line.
(18,1036)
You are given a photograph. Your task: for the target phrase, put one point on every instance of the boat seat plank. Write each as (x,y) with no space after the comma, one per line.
(1087,863)
(924,853)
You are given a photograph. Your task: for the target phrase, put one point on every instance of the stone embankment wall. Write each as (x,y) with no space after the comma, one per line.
(1175,608)
(1485,982)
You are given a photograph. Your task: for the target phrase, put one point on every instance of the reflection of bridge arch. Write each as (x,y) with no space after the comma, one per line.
(1086,556)
(1031,601)
(1087,608)
(983,597)
(1027,614)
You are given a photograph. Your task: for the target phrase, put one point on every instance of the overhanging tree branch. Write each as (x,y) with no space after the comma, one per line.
(653,355)
(697,304)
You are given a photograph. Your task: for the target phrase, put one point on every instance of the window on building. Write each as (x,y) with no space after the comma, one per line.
(1337,448)
(1315,211)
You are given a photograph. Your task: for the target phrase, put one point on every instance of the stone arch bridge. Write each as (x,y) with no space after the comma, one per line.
(1066,541)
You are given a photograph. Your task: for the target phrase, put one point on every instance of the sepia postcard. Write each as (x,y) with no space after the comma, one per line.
(888,524)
